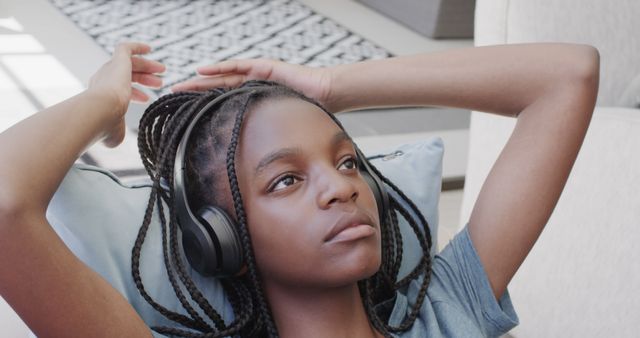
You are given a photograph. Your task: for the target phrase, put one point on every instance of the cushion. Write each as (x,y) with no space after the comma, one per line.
(98,217)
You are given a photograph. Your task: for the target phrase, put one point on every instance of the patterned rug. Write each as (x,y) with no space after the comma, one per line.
(187,34)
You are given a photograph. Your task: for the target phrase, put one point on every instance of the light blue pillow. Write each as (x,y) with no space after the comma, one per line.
(98,217)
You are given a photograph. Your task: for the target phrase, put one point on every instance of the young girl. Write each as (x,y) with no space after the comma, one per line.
(289,169)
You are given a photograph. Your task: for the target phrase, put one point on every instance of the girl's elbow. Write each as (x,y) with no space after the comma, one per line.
(586,67)
(579,79)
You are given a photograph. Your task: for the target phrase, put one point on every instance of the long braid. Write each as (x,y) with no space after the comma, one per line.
(240,300)
(425,262)
(423,268)
(242,222)
(136,261)
(398,244)
(394,247)
(135,269)
(197,322)
(376,320)
(387,254)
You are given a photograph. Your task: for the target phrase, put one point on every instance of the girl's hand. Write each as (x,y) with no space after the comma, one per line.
(312,82)
(114,79)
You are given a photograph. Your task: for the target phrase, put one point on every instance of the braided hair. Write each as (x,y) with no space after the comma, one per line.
(211,155)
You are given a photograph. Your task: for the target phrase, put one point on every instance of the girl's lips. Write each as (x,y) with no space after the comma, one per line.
(352,233)
(355,224)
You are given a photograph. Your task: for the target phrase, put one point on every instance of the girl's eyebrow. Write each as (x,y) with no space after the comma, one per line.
(276,156)
(280,154)
(340,137)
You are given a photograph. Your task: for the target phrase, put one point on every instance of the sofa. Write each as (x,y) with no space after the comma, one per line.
(433,18)
(582,278)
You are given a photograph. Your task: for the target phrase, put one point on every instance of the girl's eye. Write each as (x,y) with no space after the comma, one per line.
(349,163)
(283,182)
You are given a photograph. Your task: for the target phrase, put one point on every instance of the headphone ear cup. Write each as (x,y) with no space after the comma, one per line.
(199,248)
(211,244)
(228,253)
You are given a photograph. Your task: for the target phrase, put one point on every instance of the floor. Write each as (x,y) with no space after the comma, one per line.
(41,64)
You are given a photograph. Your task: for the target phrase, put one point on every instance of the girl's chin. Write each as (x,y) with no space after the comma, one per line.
(358,270)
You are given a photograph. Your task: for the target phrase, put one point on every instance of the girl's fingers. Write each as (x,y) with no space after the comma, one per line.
(218,68)
(146,79)
(229,66)
(132,48)
(206,83)
(142,65)
(138,96)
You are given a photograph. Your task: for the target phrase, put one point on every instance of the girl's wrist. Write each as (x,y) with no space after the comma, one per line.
(108,107)
(350,86)
(334,96)
(109,103)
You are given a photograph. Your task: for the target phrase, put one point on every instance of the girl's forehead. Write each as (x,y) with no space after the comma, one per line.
(286,118)
(286,123)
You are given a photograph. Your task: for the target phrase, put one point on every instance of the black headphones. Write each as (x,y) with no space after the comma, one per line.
(209,237)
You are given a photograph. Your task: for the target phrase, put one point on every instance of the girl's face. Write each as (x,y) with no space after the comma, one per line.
(312,217)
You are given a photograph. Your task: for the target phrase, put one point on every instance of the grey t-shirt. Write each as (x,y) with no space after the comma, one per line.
(459,301)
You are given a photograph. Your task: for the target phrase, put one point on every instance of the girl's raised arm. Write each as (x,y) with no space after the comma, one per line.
(51,290)
(550,88)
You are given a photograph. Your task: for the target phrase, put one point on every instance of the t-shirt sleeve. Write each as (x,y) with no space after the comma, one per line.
(460,281)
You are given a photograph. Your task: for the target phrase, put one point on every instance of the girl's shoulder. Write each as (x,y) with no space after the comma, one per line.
(460,301)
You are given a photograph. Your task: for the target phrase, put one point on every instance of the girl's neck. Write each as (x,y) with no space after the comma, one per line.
(336,312)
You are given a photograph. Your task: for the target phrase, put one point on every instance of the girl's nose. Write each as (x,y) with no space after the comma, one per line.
(335,187)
